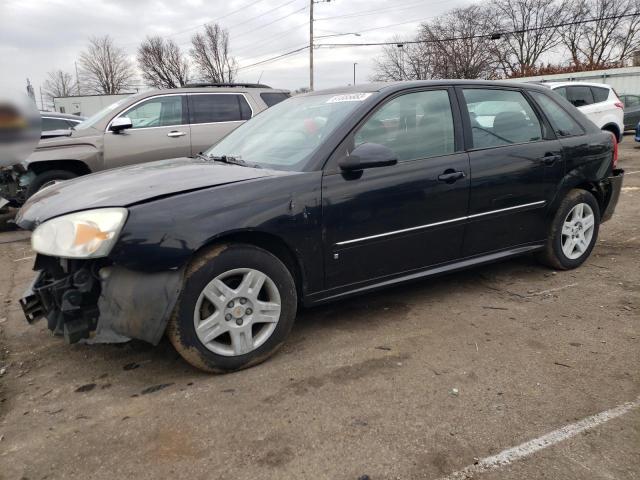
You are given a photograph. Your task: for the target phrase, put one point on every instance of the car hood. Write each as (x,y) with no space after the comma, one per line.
(122,187)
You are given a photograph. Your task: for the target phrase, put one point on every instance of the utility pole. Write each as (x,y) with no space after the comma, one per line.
(77,79)
(354,73)
(311,2)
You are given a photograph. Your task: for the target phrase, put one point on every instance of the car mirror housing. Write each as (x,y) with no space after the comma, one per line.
(368,155)
(120,123)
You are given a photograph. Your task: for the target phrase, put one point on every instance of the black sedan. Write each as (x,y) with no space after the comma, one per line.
(323,196)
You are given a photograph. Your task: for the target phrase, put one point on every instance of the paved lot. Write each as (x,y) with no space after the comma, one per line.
(363,387)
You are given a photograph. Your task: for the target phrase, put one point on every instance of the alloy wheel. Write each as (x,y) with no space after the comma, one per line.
(577,231)
(237,312)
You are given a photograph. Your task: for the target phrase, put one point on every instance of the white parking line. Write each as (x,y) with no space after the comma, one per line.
(631,173)
(523,450)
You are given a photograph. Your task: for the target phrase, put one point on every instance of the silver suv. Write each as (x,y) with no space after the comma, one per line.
(152,125)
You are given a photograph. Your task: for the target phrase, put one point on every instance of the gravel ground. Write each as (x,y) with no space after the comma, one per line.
(415,382)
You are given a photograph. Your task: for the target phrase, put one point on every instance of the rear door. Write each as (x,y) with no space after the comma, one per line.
(515,163)
(390,220)
(213,115)
(582,97)
(159,131)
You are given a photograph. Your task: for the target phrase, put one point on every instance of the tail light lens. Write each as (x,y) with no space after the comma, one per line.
(614,160)
(619,104)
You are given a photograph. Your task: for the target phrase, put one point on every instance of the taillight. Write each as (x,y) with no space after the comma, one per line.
(619,105)
(614,160)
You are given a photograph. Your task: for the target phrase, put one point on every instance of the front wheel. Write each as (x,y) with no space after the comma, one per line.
(236,308)
(573,231)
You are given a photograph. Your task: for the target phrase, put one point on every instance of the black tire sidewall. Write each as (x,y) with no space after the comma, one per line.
(574,198)
(48,176)
(232,257)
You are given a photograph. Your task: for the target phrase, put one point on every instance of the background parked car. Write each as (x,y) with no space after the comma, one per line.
(599,102)
(152,125)
(631,110)
(58,124)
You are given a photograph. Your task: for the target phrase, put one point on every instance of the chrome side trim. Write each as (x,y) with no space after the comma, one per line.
(444,222)
(404,230)
(475,215)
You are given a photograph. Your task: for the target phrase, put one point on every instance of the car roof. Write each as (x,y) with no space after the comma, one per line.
(389,87)
(580,84)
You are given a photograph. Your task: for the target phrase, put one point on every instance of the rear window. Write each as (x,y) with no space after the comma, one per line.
(271,98)
(580,96)
(600,94)
(216,107)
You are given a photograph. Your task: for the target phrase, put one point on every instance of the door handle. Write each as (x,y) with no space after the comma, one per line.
(450,176)
(175,134)
(550,159)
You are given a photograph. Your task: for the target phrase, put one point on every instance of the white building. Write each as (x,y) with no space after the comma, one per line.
(623,80)
(85,105)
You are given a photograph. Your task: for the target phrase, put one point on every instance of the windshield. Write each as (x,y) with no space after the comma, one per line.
(285,136)
(96,117)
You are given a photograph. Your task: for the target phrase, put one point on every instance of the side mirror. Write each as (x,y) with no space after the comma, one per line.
(368,155)
(120,123)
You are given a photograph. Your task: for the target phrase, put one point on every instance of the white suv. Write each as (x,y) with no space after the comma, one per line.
(599,102)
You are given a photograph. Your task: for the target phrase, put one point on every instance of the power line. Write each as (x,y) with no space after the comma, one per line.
(364,13)
(286,54)
(495,35)
(270,23)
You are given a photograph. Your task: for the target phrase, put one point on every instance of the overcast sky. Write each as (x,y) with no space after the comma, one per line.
(37,36)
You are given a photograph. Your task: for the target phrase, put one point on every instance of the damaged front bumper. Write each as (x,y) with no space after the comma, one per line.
(92,299)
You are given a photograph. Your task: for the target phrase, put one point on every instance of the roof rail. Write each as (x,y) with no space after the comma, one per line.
(241,85)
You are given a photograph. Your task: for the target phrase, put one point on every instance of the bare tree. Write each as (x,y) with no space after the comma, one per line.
(532,32)
(59,84)
(459,44)
(210,54)
(162,63)
(403,61)
(104,67)
(610,39)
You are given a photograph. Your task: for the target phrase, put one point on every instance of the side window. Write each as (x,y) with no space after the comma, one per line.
(579,96)
(600,94)
(156,112)
(211,108)
(501,117)
(271,98)
(54,124)
(562,123)
(562,91)
(415,125)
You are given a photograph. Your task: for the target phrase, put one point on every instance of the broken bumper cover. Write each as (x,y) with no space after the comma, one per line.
(615,185)
(106,304)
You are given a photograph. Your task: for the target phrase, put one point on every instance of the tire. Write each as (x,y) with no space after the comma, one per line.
(43,179)
(556,250)
(222,343)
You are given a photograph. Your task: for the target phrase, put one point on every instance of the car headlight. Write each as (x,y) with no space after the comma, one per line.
(87,234)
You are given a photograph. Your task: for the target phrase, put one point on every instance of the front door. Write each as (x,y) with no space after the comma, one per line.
(391,220)
(516,165)
(160,130)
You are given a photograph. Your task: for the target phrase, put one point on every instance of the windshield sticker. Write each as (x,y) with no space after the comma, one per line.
(349,97)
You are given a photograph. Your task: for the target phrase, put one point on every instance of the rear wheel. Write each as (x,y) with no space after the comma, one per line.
(48,178)
(237,306)
(573,232)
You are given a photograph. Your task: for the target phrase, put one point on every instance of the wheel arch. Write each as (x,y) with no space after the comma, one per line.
(613,128)
(596,190)
(76,166)
(267,241)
